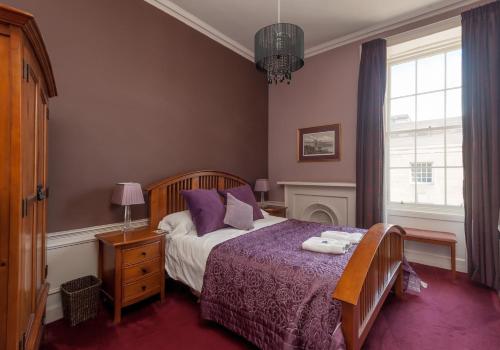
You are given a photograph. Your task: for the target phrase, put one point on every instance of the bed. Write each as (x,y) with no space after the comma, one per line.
(369,272)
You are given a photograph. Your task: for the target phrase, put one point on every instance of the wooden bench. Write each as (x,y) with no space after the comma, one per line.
(435,237)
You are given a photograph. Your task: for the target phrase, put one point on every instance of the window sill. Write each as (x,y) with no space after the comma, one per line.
(455,215)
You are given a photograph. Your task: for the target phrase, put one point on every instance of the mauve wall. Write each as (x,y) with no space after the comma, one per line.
(141,97)
(323,92)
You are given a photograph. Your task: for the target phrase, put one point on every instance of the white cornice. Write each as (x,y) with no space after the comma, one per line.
(203,27)
(395,23)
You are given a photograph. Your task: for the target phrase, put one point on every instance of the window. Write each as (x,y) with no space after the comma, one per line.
(424,127)
(421,172)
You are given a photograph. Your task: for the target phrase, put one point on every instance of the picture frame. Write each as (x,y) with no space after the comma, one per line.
(319,143)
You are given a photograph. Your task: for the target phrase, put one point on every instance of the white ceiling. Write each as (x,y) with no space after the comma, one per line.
(325,22)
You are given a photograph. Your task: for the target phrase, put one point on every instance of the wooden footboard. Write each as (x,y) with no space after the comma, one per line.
(374,268)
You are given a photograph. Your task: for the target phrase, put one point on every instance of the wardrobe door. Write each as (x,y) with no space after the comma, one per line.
(41,183)
(4,180)
(28,194)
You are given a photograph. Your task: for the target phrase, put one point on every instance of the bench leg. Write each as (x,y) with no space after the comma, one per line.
(453,261)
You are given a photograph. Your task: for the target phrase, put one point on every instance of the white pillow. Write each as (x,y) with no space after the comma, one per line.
(177,223)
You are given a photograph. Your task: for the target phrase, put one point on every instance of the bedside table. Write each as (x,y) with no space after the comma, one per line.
(131,266)
(275,210)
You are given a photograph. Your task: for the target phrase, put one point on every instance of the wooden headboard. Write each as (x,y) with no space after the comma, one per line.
(165,198)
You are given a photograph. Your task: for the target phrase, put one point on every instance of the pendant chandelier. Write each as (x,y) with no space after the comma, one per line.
(279,50)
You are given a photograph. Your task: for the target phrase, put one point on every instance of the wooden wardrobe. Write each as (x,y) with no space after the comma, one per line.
(26,83)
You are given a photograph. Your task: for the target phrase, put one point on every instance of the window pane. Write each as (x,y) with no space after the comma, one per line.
(421,172)
(430,73)
(453,106)
(430,110)
(403,79)
(430,146)
(454,186)
(402,113)
(454,69)
(433,192)
(454,146)
(400,186)
(401,149)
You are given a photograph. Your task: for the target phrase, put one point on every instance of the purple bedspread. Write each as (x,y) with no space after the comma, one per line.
(265,287)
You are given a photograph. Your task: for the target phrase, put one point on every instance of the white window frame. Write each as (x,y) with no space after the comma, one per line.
(413,55)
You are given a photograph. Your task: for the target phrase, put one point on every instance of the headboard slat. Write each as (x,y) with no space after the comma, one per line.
(196,183)
(165,197)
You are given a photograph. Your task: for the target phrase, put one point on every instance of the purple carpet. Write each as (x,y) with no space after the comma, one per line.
(447,315)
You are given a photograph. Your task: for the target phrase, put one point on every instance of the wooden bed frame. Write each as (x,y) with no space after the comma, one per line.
(373,270)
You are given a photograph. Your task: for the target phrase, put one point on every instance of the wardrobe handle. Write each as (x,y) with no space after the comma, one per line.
(3,263)
(40,193)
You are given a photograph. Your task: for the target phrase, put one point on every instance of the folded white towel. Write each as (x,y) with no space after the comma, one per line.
(339,235)
(325,245)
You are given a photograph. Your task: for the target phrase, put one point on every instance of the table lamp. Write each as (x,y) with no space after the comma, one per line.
(262,186)
(127,194)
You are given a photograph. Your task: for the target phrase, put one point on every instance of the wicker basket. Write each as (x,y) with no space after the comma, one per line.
(80,299)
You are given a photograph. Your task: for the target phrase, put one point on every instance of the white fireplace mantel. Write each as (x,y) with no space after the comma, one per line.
(327,202)
(317,184)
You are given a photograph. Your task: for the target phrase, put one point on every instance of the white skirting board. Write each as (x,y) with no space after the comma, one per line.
(72,254)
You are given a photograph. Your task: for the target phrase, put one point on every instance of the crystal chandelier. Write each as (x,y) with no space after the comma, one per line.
(279,50)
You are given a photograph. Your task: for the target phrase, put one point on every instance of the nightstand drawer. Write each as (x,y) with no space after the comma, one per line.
(143,287)
(136,255)
(132,273)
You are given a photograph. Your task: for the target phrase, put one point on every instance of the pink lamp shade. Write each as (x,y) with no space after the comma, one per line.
(127,193)
(261,185)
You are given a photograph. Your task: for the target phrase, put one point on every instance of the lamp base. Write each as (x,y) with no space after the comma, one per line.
(127,226)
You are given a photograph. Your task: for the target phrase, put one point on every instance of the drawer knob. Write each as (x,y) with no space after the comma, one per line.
(143,288)
(143,253)
(3,263)
(144,271)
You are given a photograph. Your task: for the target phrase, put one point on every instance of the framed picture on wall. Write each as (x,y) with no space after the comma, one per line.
(319,143)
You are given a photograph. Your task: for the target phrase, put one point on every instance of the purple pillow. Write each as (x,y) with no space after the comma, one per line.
(238,214)
(244,193)
(206,209)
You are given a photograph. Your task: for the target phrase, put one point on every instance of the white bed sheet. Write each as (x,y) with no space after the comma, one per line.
(186,255)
